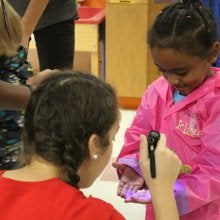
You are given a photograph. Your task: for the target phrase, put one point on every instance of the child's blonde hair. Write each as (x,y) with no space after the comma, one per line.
(10,29)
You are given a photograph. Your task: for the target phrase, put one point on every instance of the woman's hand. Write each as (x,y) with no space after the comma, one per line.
(40,77)
(167,164)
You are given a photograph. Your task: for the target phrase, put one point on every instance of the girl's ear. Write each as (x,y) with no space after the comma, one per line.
(93,147)
(214,51)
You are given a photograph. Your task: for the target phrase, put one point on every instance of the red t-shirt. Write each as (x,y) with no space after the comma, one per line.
(51,199)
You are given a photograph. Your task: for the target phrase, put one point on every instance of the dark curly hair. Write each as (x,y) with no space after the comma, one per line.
(62,114)
(185,26)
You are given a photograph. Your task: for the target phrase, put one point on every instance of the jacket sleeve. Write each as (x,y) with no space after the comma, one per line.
(142,123)
(202,186)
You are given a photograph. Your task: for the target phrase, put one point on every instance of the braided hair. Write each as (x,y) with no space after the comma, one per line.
(185,26)
(61,116)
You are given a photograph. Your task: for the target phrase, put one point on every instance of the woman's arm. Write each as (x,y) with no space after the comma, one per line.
(13,96)
(31,17)
(161,188)
(17,96)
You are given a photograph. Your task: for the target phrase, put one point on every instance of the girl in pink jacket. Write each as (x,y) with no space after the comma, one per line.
(185,105)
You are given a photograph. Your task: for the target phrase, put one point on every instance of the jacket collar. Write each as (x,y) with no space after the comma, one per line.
(161,85)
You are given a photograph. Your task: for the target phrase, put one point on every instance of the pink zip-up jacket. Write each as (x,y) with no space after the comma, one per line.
(192,127)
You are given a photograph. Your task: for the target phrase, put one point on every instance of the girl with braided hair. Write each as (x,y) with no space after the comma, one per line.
(70,124)
(184,105)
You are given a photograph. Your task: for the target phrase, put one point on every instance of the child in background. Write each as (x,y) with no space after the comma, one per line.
(184,104)
(16,70)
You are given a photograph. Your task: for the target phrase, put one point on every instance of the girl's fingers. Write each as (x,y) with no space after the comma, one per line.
(118,166)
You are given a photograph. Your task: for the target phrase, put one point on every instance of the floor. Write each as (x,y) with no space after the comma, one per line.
(106,185)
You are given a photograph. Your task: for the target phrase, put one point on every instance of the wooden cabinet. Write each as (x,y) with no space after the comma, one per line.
(129,66)
(88,34)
